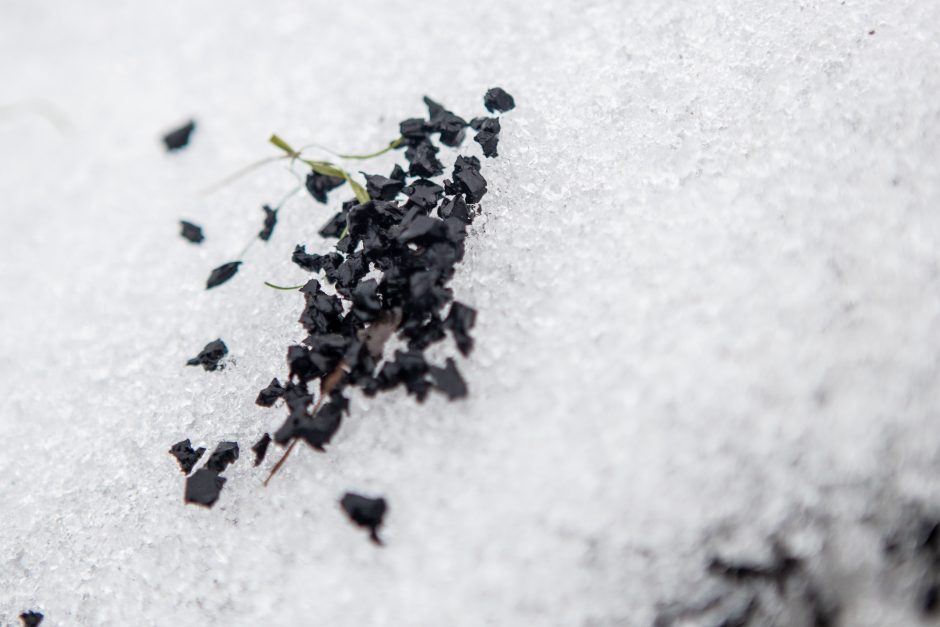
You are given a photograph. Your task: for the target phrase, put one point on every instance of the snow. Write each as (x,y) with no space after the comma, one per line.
(707,282)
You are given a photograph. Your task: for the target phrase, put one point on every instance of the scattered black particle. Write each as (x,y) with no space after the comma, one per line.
(365,512)
(31,618)
(424,193)
(457,208)
(191,232)
(459,321)
(496,99)
(260,448)
(224,454)
(336,225)
(222,274)
(270,220)
(447,123)
(423,159)
(178,139)
(307,261)
(448,380)
(203,487)
(185,455)
(209,356)
(319,184)
(468,180)
(487,135)
(383,188)
(270,394)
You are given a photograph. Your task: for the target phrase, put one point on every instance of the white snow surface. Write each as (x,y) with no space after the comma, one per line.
(707,276)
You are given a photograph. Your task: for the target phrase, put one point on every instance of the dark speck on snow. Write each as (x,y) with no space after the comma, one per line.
(191,232)
(222,274)
(270,220)
(186,455)
(203,487)
(224,454)
(31,618)
(175,140)
(260,448)
(496,99)
(365,512)
(209,356)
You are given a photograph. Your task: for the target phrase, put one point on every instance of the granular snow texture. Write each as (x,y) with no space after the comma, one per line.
(708,282)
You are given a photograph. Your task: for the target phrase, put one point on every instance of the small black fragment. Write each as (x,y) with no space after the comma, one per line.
(270,220)
(448,380)
(260,448)
(175,140)
(185,455)
(319,184)
(31,618)
(203,487)
(424,193)
(209,356)
(365,512)
(460,320)
(412,129)
(191,232)
(270,394)
(467,178)
(423,159)
(496,99)
(397,173)
(487,135)
(224,454)
(455,207)
(383,188)
(447,123)
(222,274)
(307,261)
(335,227)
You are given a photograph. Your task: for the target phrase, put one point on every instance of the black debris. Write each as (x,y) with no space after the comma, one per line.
(384,188)
(468,180)
(260,448)
(319,184)
(178,139)
(270,394)
(191,232)
(365,512)
(210,356)
(307,261)
(496,99)
(270,220)
(222,274)
(388,274)
(186,455)
(455,207)
(203,487)
(424,194)
(487,135)
(448,124)
(423,159)
(31,618)
(448,380)
(459,321)
(224,454)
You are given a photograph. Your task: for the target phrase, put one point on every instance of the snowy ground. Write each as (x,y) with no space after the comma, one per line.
(708,281)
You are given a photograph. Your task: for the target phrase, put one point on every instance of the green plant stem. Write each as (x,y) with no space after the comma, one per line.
(281,287)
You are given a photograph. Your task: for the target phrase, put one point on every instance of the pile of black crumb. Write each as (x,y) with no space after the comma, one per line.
(407,238)
(412,231)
